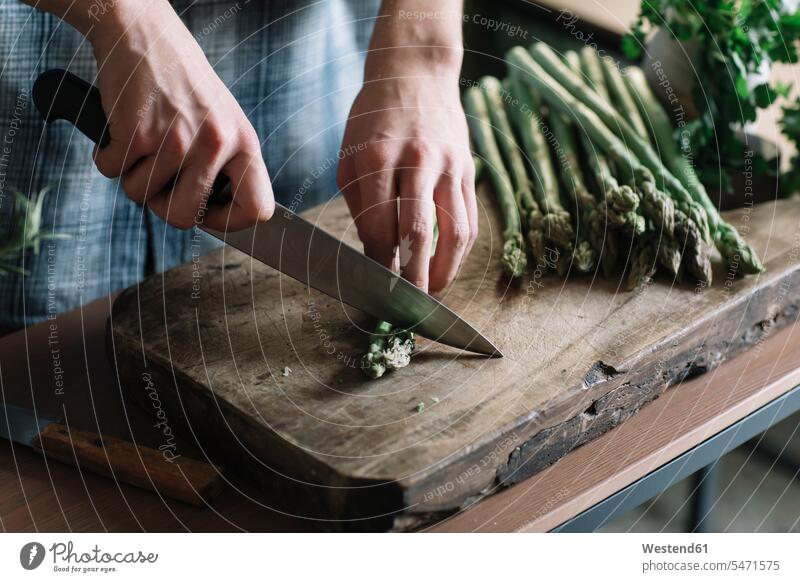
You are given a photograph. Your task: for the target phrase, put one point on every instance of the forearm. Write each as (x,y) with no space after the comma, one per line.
(83,15)
(108,21)
(416,37)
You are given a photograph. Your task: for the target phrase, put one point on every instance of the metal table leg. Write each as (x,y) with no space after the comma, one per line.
(692,461)
(704,497)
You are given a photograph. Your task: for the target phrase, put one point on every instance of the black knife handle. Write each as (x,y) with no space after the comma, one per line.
(58,94)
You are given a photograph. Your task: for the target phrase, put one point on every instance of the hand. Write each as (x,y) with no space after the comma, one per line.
(409,138)
(169,114)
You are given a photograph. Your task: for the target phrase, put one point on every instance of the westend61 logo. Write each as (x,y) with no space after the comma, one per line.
(66,559)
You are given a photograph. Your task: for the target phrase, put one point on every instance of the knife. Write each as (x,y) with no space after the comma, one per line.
(288,242)
(180,478)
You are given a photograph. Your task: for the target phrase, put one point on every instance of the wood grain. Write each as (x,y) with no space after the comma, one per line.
(37,494)
(50,497)
(175,476)
(663,430)
(581,357)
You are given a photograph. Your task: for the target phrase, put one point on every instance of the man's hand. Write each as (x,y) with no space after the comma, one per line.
(170,115)
(407,138)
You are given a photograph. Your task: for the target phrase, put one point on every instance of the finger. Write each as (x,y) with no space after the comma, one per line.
(121,153)
(150,176)
(454,232)
(470,204)
(251,190)
(185,205)
(346,181)
(376,219)
(416,224)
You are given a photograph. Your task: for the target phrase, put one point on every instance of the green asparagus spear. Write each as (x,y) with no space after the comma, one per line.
(621,97)
(575,187)
(614,204)
(493,93)
(501,105)
(730,244)
(513,258)
(478,168)
(532,217)
(554,223)
(526,116)
(593,72)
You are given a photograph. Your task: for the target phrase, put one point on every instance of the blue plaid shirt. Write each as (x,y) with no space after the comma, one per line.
(294,66)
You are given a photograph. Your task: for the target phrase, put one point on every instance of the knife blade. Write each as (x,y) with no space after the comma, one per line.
(174,476)
(287,242)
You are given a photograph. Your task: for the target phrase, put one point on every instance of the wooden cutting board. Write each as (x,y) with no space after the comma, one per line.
(262,372)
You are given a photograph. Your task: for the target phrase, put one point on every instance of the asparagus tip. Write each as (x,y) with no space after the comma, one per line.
(513,259)
(558,229)
(738,254)
(697,254)
(584,258)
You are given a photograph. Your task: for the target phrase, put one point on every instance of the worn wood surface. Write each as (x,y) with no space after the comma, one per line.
(188,480)
(37,495)
(660,432)
(581,357)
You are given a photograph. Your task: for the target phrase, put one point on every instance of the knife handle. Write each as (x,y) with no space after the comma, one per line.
(184,479)
(58,94)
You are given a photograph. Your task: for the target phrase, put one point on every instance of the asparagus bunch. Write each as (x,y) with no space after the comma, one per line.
(513,258)
(687,191)
(620,203)
(657,206)
(728,241)
(624,159)
(640,148)
(616,205)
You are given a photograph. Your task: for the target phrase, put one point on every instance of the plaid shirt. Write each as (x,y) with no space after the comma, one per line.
(294,66)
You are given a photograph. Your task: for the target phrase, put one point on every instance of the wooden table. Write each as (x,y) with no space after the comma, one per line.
(39,496)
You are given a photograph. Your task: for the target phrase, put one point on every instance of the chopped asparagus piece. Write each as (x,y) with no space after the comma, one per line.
(389,349)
